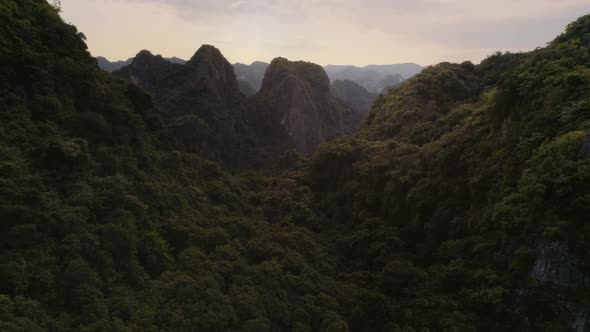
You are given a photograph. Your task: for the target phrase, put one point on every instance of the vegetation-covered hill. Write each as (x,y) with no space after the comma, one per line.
(109,66)
(205,107)
(354,95)
(463,199)
(107,226)
(249,76)
(253,73)
(461,205)
(202,107)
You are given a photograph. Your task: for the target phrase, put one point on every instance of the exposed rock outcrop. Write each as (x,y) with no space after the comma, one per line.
(582,322)
(555,265)
(585,149)
(296,96)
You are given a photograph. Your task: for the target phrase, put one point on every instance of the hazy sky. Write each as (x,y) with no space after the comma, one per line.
(357,32)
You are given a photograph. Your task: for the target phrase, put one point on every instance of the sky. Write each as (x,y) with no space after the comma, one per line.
(351,32)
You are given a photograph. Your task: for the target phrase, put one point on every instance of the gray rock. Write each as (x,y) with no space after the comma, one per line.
(556,266)
(585,149)
(582,322)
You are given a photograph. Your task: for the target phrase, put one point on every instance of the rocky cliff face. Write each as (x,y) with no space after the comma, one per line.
(296,96)
(212,70)
(585,149)
(556,266)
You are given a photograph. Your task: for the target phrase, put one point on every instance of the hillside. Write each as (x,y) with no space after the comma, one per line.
(354,95)
(461,203)
(464,193)
(111,66)
(107,226)
(201,105)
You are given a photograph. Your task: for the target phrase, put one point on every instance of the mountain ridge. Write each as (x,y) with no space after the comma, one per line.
(202,93)
(375,78)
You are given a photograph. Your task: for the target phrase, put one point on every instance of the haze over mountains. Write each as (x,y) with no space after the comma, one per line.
(253,73)
(160,198)
(374,78)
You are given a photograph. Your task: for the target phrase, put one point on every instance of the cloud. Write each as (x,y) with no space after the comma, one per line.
(427,20)
(340,31)
(236,4)
(442,9)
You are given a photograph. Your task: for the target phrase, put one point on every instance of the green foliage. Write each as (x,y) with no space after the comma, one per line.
(111,221)
(455,181)
(429,219)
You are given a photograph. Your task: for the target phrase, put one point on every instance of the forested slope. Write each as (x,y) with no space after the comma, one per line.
(464,197)
(106,226)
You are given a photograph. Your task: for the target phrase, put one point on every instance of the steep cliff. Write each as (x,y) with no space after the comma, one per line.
(296,96)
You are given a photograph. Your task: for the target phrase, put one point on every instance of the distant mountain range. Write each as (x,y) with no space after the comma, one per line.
(111,66)
(253,74)
(300,99)
(374,78)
